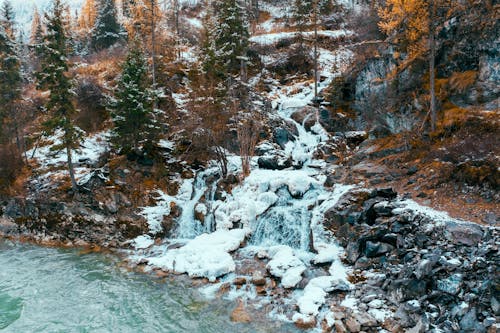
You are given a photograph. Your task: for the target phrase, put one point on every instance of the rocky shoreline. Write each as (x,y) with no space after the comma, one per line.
(410,269)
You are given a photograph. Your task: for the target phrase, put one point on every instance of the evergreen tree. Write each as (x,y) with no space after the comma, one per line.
(8,17)
(53,77)
(10,80)
(135,124)
(107,30)
(231,34)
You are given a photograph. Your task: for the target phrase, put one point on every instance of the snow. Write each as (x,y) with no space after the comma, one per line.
(315,293)
(143,242)
(439,217)
(91,149)
(24,10)
(350,302)
(286,265)
(204,256)
(154,214)
(272,38)
(380,314)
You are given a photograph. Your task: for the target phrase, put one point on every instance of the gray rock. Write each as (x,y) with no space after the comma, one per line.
(424,268)
(469,322)
(450,285)
(469,234)
(8,227)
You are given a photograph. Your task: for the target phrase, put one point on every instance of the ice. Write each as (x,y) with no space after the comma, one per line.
(287,266)
(204,256)
(315,293)
(143,242)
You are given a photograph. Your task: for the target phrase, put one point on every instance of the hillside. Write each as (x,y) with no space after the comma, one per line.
(300,160)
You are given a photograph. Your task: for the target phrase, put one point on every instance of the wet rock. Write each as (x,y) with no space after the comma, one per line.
(239,281)
(282,136)
(375,249)
(354,138)
(274,163)
(364,319)
(419,328)
(258,278)
(305,323)
(240,314)
(339,327)
(352,325)
(469,322)
(305,116)
(424,268)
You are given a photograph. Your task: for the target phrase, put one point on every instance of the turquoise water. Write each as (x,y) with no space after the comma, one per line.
(56,290)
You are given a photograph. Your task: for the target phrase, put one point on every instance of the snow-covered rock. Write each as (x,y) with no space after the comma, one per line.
(204,256)
(287,266)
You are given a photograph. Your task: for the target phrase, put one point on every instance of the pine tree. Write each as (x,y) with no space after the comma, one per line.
(231,34)
(301,14)
(10,80)
(8,17)
(53,77)
(107,31)
(135,125)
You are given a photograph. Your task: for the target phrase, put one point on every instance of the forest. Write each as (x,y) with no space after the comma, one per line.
(291,149)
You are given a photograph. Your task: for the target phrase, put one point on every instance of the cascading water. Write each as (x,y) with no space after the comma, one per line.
(188,226)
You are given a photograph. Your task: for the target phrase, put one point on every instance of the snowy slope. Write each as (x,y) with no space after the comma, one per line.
(24,10)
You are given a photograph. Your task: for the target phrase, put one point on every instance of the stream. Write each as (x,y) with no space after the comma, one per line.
(63,290)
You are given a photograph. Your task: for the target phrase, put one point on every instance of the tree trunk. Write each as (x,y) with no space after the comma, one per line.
(315,17)
(153,45)
(71,170)
(432,74)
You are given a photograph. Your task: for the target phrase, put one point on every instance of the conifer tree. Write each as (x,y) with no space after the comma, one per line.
(107,31)
(231,34)
(53,77)
(135,125)
(413,22)
(88,16)
(10,79)
(7,20)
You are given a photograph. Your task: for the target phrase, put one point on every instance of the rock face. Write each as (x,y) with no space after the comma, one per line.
(421,262)
(55,221)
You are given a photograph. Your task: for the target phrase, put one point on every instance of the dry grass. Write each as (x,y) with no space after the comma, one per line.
(460,81)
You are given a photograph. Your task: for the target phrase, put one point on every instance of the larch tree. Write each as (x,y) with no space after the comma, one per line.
(412,23)
(107,31)
(135,122)
(54,78)
(37,31)
(88,16)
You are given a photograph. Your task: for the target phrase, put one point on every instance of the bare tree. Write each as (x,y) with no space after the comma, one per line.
(248,135)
